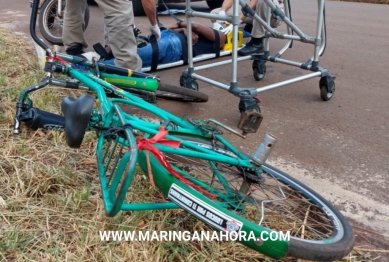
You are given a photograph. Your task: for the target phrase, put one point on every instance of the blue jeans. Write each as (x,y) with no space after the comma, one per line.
(170,50)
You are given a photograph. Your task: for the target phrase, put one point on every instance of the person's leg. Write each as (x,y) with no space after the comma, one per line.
(106,40)
(119,20)
(248,20)
(255,44)
(74,26)
(173,48)
(169,50)
(258,29)
(274,23)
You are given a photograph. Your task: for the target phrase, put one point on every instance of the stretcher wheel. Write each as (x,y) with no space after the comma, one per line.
(259,70)
(327,87)
(189,83)
(194,85)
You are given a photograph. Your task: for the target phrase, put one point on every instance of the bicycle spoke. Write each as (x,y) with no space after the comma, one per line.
(269,203)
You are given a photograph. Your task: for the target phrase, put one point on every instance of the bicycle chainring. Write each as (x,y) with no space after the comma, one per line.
(252,176)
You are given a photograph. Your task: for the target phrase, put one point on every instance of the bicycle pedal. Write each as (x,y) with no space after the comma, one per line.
(250,121)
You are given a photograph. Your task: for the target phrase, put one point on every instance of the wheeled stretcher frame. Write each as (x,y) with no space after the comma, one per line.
(198,58)
(326,83)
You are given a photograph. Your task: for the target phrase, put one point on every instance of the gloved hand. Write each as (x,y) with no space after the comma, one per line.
(91,55)
(229,28)
(220,13)
(217,26)
(154,29)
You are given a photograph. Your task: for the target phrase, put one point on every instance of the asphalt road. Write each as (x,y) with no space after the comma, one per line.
(341,147)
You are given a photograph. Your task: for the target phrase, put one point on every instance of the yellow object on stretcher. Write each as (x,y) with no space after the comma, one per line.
(228,45)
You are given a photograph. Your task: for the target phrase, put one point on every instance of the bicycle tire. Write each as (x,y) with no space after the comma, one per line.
(176,93)
(336,246)
(48,18)
(144,94)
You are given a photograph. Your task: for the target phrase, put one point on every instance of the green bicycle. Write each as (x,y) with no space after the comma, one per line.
(143,85)
(194,167)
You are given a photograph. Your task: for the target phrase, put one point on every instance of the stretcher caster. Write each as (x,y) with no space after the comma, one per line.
(189,83)
(327,87)
(259,69)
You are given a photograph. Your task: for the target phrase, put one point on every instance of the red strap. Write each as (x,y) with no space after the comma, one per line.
(258,99)
(151,179)
(145,143)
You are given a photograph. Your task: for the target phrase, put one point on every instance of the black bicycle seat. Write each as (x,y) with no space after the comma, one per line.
(77,114)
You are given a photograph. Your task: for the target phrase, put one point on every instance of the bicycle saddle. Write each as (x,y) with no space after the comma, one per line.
(77,114)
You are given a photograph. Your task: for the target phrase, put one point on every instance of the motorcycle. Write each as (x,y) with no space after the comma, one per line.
(51,14)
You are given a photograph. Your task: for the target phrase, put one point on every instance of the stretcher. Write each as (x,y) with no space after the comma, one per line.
(226,50)
(198,58)
(250,117)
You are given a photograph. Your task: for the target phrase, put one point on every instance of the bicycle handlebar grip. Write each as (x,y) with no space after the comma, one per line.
(36,118)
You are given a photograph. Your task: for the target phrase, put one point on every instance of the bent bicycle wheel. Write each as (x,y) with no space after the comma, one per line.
(180,94)
(251,201)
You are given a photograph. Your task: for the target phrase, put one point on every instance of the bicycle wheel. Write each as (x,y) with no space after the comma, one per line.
(145,95)
(250,201)
(180,94)
(50,23)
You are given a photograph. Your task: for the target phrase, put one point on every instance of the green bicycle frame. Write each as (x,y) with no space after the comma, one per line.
(116,186)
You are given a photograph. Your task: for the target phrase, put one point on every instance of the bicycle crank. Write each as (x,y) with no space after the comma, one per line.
(250,120)
(226,127)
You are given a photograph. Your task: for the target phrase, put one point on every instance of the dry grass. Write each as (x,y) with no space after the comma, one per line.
(50,197)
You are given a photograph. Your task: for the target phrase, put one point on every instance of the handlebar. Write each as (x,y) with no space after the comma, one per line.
(36,118)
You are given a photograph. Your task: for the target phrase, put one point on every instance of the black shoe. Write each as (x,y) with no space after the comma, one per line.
(75,50)
(254,46)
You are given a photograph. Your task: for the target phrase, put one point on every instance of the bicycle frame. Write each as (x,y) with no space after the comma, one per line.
(99,86)
(181,127)
(116,182)
(116,173)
